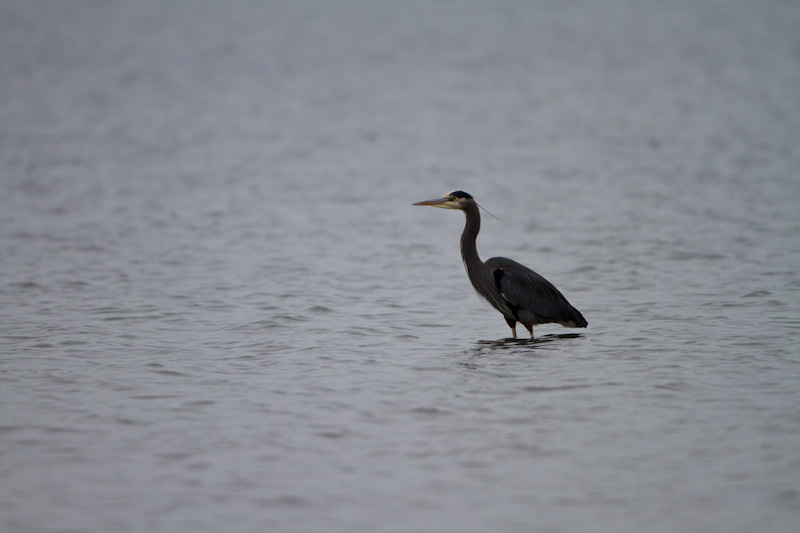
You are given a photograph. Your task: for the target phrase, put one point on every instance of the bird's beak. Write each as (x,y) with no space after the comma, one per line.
(438,202)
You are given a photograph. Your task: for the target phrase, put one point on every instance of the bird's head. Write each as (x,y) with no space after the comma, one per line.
(452,200)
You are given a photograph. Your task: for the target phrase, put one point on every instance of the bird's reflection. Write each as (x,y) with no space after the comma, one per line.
(488,349)
(485,352)
(511,343)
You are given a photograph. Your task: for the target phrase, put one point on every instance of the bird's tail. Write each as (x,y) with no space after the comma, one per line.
(577,320)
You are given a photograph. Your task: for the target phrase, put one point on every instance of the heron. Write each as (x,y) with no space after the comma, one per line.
(518,292)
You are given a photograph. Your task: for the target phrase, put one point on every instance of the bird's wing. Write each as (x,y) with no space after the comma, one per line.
(525,289)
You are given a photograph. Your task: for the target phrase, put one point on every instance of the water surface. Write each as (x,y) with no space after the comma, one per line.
(221,312)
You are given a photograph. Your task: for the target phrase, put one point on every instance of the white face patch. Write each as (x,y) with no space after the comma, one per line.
(453,201)
(449,204)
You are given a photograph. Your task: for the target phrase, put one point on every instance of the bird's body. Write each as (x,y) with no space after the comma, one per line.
(518,292)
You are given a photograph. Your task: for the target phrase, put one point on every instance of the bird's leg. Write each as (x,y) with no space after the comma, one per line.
(529,327)
(513,325)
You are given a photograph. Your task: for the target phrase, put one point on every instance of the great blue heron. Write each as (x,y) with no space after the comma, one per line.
(518,292)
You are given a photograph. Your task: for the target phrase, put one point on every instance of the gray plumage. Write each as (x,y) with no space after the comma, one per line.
(518,292)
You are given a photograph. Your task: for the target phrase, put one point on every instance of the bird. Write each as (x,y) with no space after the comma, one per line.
(518,292)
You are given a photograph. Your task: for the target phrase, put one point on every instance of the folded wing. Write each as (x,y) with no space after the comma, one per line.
(532,297)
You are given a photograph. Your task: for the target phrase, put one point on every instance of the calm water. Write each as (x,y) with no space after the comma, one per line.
(219,311)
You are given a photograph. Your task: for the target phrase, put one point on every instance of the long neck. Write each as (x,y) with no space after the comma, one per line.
(469,251)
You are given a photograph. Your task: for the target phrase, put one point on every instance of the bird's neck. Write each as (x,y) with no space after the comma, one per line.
(469,250)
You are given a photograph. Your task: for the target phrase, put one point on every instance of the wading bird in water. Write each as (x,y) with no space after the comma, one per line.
(518,292)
